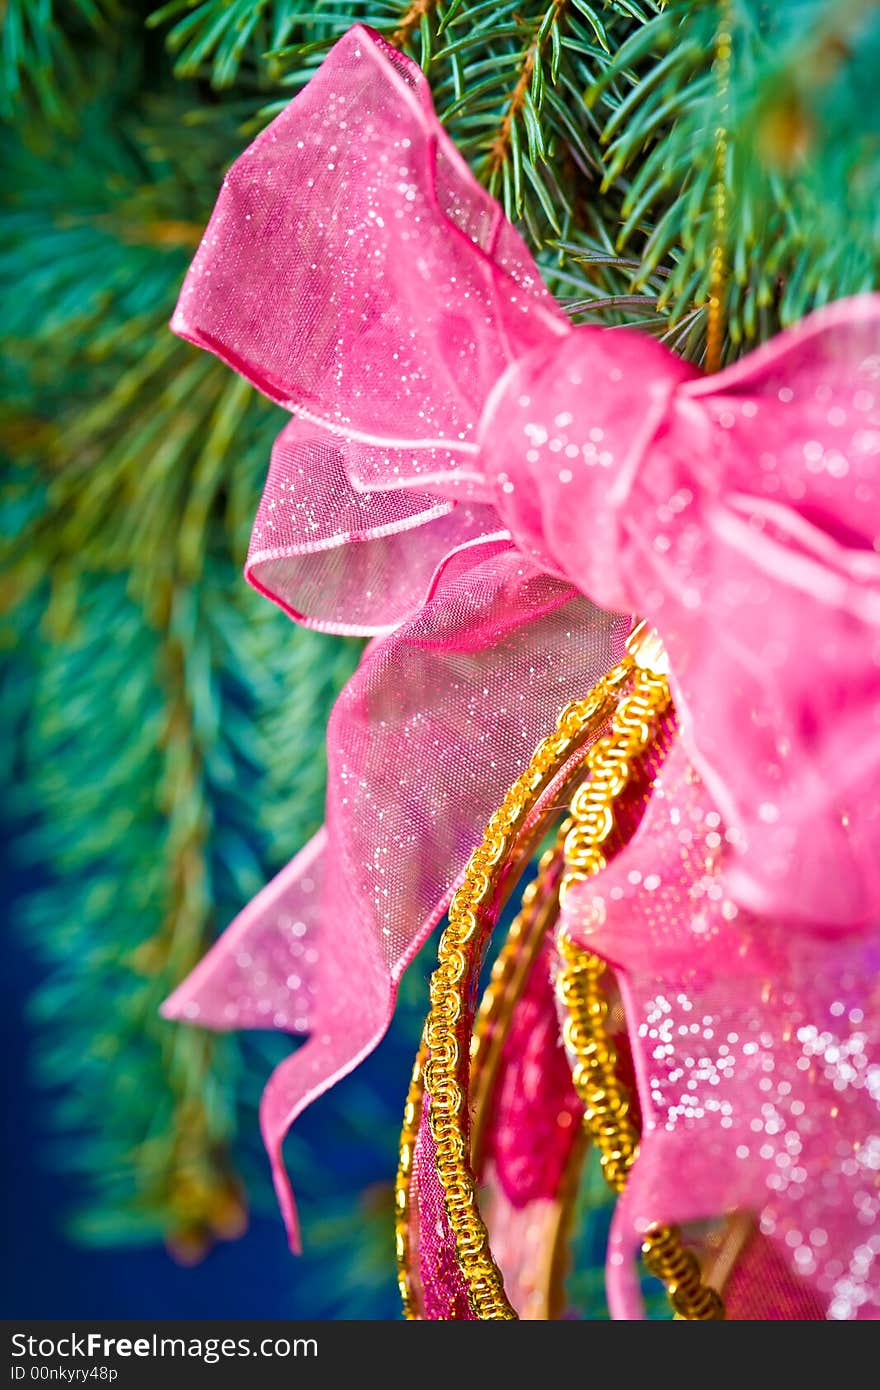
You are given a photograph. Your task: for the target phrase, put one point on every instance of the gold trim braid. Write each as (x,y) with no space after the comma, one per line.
(538,912)
(609,1124)
(412,1119)
(634,697)
(607,1116)
(470,918)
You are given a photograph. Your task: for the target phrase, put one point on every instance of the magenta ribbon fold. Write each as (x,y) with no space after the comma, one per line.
(484,489)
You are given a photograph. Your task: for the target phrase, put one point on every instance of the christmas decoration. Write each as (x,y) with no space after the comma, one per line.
(148,688)
(466,476)
(658,161)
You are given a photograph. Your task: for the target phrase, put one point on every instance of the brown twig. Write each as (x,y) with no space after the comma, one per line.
(499,150)
(411,21)
(500,147)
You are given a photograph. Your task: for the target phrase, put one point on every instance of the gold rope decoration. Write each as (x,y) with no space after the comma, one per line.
(612,762)
(718,263)
(610,1125)
(606,1104)
(445,1073)
(607,1115)
(538,912)
(412,1118)
(635,696)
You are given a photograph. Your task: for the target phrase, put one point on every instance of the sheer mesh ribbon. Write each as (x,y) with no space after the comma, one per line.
(756,1050)
(460,465)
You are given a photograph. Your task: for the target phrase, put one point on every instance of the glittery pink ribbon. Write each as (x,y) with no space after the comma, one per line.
(757,1052)
(461,468)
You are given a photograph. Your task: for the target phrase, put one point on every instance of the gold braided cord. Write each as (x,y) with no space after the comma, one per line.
(610,763)
(446,1076)
(539,910)
(538,913)
(718,263)
(412,1118)
(608,1122)
(607,1112)
(678,1269)
(607,1117)
(634,697)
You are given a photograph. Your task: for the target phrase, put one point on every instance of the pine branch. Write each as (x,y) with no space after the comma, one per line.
(509,85)
(235,41)
(799,228)
(416,18)
(38,51)
(140,880)
(160,771)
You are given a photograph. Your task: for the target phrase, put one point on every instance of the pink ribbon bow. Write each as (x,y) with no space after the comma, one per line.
(461,469)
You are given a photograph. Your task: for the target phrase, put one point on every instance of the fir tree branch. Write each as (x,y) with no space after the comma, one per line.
(413,19)
(499,150)
(155,755)
(790,86)
(38,57)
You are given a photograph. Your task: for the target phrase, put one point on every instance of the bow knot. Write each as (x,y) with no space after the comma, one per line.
(441,399)
(566,435)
